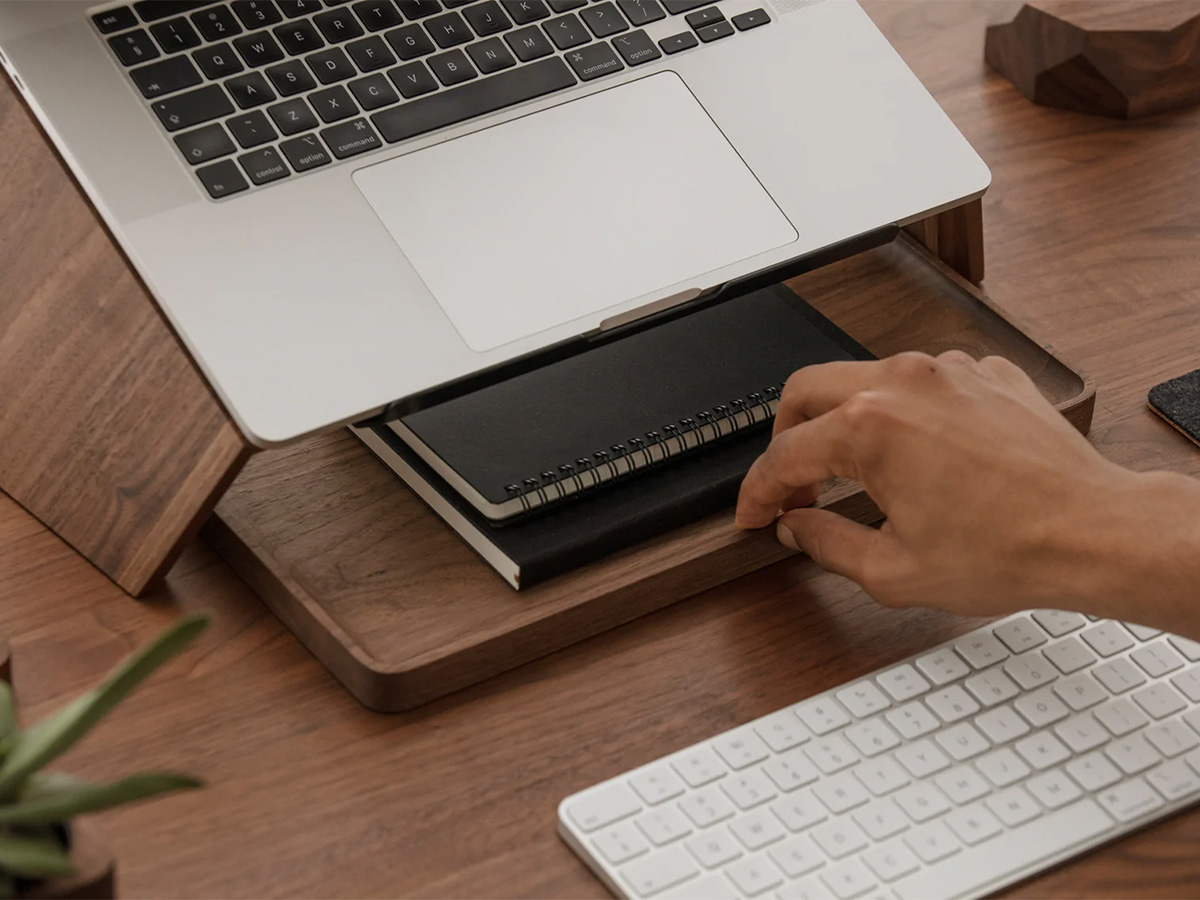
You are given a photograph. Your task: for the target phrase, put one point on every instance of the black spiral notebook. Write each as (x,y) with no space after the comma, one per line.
(558,466)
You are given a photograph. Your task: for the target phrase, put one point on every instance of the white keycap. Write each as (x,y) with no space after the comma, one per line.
(863,699)
(1002,767)
(991,687)
(943,666)
(1057,622)
(839,838)
(664,825)
(1019,635)
(902,683)
(755,875)
(1157,659)
(1053,789)
(872,737)
(757,829)
(698,766)
(620,843)
(749,789)
(1082,732)
(706,807)
(797,856)
(1041,707)
(1093,771)
(706,887)
(881,776)
(831,754)
(1031,670)
(1079,691)
(713,848)
(841,792)
(791,770)
(1188,683)
(921,801)
(811,888)
(800,811)
(1189,649)
(1001,724)
(659,871)
(1141,632)
(973,824)
(781,731)
(1130,799)
(922,758)
(962,741)
(880,820)
(822,715)
(962,784)
(1120,716)
(1172,738)
(912,720)
(850,879)
(657,785)
(1070,655)
(981,650)
(1119,675)
(932,842)
(1159,700)
(1132,754)
(1042,750)
(1193,760)
(952,703)
(1193,719)
(1107,638)
(1013,806)
(741,749)
(1174,780)
(891,861)
(604,806)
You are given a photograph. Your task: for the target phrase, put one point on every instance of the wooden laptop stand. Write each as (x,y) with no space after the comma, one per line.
(111,437)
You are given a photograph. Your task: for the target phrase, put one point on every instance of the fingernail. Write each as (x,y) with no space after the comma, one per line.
(784,535)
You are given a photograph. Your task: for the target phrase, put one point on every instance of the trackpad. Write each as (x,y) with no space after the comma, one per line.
(566,213)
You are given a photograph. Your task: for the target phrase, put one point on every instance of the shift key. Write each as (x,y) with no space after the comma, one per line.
(194,107)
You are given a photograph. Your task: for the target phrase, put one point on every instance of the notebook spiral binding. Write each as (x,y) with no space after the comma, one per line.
(653,449)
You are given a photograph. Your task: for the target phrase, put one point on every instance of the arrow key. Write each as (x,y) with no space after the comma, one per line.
(204,144)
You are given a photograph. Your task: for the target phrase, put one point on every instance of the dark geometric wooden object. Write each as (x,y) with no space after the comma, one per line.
(1120,58)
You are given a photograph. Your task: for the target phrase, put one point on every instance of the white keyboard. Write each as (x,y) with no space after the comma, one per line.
(952,774)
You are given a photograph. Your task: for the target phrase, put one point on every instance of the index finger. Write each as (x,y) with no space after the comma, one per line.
(815,390)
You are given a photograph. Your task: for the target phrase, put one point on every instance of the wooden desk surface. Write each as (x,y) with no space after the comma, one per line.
(1093,236)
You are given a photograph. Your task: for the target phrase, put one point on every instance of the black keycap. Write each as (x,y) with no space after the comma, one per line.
(258,49)
(115,20)
(216,24)
(295,8)
(306,152)
(222,180)
(338,25)
(370,54)
(413,80)
(218,61)
(676,42)
(299,37)
(134,47)
(477,98)
(251,129)
(418,9)
(529,43)
(351,138)
(453,4)
(204,144)
(490,56)
(153,10)
(185,110)
(333,104)
(410,42)
(373,92)
(525,11)
(175,35)
(677,7)
(291,77)
(715,31)
(487,18)
(449,30)
(560,6)
(293,116)
(752,19)
(250,90)
(641,12)
(702,17)
(331,65)
(166,76)
(378,14)
(452,67)
(264,166)
(604,20)
(594,61)
(566,31)
(257,13)
(636,48)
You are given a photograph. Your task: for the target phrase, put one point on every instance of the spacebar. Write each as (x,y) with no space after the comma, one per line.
(474,99)
(1009,857)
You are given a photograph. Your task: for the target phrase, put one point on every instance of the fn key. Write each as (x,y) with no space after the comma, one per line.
(222,180)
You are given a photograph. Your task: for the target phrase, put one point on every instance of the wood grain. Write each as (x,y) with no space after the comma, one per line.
(1093,226)
(107,432)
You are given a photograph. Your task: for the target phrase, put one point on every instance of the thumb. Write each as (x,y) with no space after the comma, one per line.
(834,542)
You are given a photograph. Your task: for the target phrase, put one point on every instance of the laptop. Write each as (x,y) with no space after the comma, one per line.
(339,205)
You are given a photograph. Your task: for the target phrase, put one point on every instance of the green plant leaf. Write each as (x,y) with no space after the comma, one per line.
(8,713)
(34,856)
(51,737)
(47,798)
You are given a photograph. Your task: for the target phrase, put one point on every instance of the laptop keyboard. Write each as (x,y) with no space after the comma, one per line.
(256,91)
